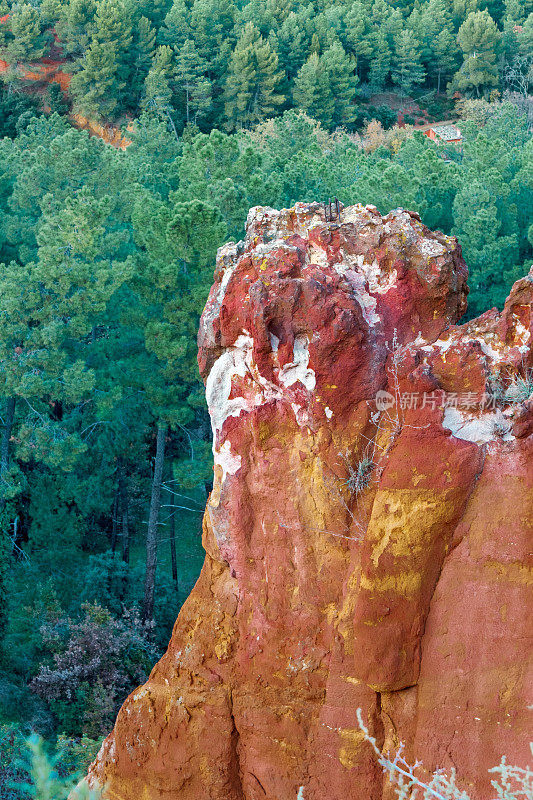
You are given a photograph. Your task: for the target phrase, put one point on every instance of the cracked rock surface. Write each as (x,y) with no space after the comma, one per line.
(367,534)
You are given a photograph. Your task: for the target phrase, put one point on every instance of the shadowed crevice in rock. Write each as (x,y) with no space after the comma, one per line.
(367,531)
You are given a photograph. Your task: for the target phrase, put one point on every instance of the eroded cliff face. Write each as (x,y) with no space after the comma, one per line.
(366,536)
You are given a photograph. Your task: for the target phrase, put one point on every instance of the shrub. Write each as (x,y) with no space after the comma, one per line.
(29,772)
(41,778)
(75,755)
(56,100)
(93,664)
(110,582)
(18,702)
(12,769)
(16,111)
(387,116)
(437,107)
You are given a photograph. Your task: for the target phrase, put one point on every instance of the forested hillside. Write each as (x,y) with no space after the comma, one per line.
(107,257)
(225,64)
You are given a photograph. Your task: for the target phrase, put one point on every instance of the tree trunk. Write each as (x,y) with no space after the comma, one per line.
(125,533)
(114,523)
(4,444)
(6,434)
(123,503)
(153,519)
(173,549)
(172,534)
(173,126)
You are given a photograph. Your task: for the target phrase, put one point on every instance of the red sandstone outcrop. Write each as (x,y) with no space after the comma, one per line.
(367,533)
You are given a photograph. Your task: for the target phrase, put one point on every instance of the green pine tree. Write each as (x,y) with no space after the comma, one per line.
(479,40)
(253,80)
(525,38)
(27,42)
(261,15)
(428,22)
(96,88)
(444,56)
(158,90)
(392,27)
(50,308)
(407,70)
(516,11)
(339,72)
(176,28)
(405,6)
(142,52)
(329,26)
(50,12)
(212,24)
(380,61)
(310,89)
(178,242)
(315,44)
(113,27)
(157,84)
(103,84)
(190,79)
(212,169)
(293,41)
(496,8)
(491,254)
(75,26)
(461,9)
(154,10)
(325,86)
(357,39)
(279,10)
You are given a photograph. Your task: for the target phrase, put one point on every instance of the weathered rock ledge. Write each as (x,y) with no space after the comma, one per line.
(367,533)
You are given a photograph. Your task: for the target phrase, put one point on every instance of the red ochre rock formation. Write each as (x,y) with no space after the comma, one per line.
(366,535)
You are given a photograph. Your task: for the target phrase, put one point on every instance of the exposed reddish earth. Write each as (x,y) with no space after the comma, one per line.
(359,553)
(54,69)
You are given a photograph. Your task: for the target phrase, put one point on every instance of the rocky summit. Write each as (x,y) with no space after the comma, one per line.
(367,532)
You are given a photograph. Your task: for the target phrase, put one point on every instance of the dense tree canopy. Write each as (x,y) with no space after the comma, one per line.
(233,63)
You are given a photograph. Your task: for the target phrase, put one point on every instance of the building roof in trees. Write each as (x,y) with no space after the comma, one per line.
(447,133)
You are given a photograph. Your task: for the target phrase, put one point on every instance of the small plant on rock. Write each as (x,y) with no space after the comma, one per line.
(501,427)
(521,388)
(360,476)
(513,783)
